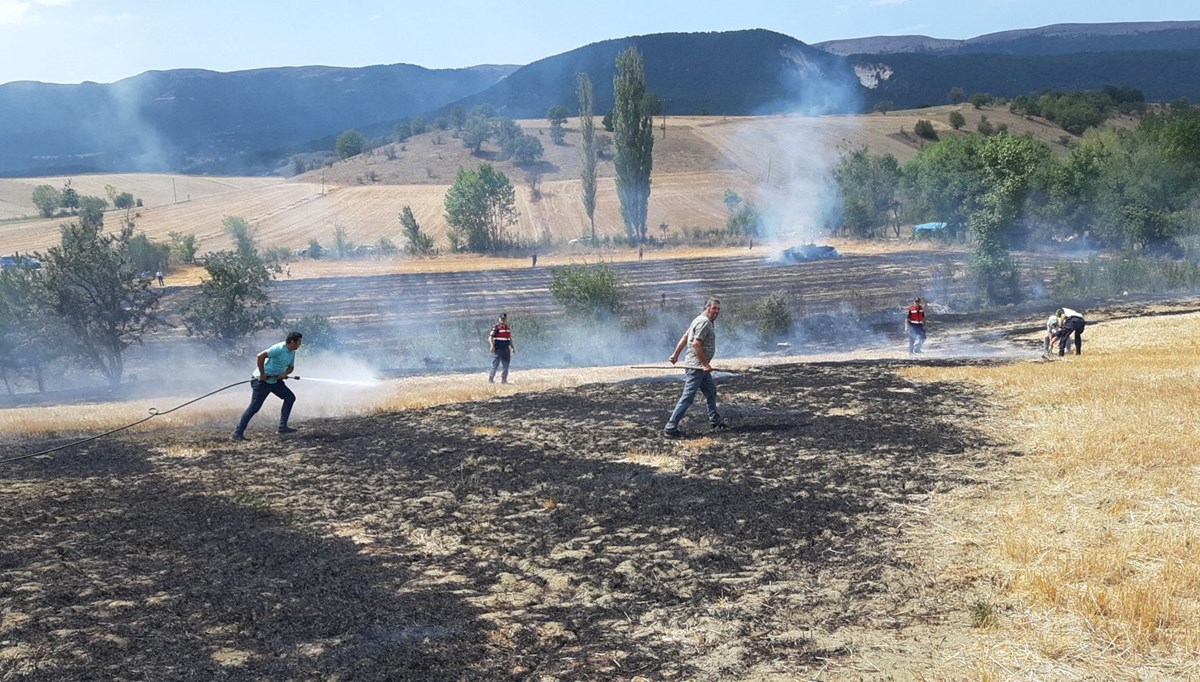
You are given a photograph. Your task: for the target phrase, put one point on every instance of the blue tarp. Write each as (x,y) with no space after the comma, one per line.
(929,227)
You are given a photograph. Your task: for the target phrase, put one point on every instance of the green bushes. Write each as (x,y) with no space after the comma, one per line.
(588,290)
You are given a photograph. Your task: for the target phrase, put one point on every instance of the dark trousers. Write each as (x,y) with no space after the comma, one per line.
(1076,325)
(500,357)
(916,337)
(259,392)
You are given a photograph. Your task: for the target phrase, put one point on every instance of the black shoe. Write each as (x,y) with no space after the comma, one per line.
(237,437)
(672,433)
(287,429)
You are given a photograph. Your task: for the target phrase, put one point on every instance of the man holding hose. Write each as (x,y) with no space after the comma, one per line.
(275,364)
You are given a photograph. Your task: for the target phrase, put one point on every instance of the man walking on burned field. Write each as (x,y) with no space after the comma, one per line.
(274,366)
(701,342)
(914,325)
(501,345)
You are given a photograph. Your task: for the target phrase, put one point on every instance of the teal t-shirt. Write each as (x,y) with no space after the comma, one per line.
(279,358)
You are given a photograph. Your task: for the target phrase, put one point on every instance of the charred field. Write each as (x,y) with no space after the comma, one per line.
(551,535)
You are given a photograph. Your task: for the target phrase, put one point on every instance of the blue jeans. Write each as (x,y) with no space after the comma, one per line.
(259,392)
(696,380)
(916,337)
(498,358)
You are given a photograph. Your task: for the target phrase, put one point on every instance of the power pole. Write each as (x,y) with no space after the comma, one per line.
(174,195)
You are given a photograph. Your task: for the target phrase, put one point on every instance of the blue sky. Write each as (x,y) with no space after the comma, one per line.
(69,41)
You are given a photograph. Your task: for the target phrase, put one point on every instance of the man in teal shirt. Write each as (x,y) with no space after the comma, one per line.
(275,364)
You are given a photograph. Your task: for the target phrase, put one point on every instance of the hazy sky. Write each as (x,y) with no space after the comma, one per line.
(68,41)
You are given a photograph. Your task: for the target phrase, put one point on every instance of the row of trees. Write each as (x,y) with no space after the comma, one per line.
(1122,189)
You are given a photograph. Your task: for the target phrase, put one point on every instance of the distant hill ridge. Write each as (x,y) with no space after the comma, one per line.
(1046,40)
(199,121)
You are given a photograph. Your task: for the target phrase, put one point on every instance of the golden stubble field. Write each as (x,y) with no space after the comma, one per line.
(774,160)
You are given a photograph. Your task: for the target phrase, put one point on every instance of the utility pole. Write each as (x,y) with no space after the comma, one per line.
(664,121)
(174,195)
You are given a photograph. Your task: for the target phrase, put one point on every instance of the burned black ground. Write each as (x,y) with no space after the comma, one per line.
(554,535)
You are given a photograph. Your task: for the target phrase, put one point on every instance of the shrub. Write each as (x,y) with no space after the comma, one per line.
(587,291)
(925,129)
(957,120)
(773,317)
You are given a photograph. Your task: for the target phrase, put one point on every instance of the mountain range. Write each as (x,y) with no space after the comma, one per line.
(193,120)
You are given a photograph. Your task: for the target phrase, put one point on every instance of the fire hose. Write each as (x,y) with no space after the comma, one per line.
(153,413)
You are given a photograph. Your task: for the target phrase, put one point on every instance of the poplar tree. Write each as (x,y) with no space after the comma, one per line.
(635,142)
(587,149)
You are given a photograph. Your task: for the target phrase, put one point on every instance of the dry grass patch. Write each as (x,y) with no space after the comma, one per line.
(656,460)
(1096,532)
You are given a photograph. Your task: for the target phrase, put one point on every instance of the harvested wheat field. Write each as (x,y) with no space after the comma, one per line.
(780,162)
(867,517)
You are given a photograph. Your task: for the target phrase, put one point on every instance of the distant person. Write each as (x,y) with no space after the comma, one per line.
(1052,327)
(500,343)
(287,270)
(159,276)
(641,252)
(1070,322)
(700,339)
(662,302)
(275,364)
(914,326)
(534,261)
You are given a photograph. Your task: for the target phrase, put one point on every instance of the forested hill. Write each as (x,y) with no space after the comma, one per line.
(1046,40)
(191,119)
(915,80)
(733,72)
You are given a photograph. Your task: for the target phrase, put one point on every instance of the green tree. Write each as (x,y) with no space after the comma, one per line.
(343,246)
(91,211)
(70,197)
(27,321)
(47,199)
(957,120)
(869,187)
(419,243)
(386,246)
(146,255)
(587,146)
(401,131)
(955,95)
(233,302)
(479,205)
(587,291)
(557,115)
(457,116)
(924,128)
(980,99)
(475,132)
(315,250)
(243,233)
(525,149)
(608,121)
(419,125)
(96,293)
(885,106)
(123,201)
(773,317)
(349,143)
(635,143)
(183,247)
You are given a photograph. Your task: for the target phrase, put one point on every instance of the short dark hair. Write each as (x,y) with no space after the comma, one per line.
(917,299)
(294,336)
(504,315)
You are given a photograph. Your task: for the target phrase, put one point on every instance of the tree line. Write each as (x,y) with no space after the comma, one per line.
(1119,189)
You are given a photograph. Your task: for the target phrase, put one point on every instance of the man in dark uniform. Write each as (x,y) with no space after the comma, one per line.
(501,345)
(1070,322)
(914,325)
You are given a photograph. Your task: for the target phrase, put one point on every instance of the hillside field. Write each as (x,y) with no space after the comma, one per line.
(777,161)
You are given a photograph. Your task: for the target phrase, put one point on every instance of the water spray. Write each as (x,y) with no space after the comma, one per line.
(344,382)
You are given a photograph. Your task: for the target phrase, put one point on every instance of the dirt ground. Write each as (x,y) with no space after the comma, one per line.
(542,536)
